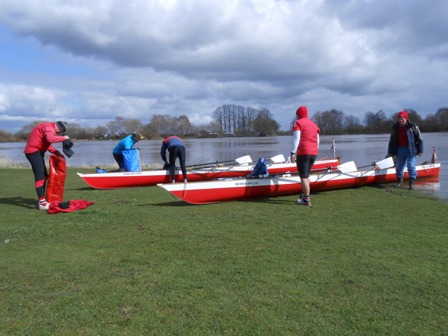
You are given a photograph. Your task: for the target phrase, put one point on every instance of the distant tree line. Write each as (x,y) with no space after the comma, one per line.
(334,122)
(228,120)
(236,120)
(244,121)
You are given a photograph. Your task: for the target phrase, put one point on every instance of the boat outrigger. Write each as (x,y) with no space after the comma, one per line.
(347,176)
(200,172)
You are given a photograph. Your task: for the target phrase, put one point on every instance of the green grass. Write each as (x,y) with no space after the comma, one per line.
(368,261)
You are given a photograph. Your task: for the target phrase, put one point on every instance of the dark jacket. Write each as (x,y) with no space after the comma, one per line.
(168,143)
(414,138)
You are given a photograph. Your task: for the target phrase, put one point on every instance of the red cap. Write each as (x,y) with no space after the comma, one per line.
(403,114)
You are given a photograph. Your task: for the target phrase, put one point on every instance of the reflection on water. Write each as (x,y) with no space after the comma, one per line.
(361,148)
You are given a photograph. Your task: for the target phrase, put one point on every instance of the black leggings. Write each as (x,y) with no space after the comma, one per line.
(40,172)
(177,152)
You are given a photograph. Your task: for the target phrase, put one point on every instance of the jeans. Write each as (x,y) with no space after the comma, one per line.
(403,156)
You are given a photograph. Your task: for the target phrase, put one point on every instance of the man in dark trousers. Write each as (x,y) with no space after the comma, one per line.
(176,149)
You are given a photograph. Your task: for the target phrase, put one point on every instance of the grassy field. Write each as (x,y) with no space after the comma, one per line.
(368,261)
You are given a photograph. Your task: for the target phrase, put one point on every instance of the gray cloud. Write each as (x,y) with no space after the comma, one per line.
(92,61)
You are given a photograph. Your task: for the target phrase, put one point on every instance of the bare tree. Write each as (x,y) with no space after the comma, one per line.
(100,132)
(329,122)
(161,125)
(218,117)
(115,127)
(184,126)
(376,122)
(264,125)
(352,125)
(251,114)
(132,125)
(441,117)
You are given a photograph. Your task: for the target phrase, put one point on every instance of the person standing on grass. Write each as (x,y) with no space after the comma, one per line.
(126,143)
(176,149)
(304,151)
(39,141)
(405,143)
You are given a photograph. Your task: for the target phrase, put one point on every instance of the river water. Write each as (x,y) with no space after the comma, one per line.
(363,149)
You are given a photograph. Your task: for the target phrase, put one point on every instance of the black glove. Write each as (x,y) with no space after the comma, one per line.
(68,143)
(67,148)
(166,165)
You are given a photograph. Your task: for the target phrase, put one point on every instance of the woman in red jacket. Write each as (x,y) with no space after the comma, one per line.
(40,140)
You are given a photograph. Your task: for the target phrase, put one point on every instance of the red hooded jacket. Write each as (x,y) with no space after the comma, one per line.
(308,144)
(41,138)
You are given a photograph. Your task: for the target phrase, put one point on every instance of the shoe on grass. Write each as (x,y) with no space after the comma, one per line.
(304,201)
(44,205)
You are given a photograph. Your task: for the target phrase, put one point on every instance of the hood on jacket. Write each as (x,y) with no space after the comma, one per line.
(302,112)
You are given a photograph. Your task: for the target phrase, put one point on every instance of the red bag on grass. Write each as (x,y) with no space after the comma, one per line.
(56,179)
(68,206)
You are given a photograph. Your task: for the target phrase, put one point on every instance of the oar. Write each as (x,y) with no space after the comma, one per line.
(278,158)
(383,164)
(244,159)
(386,163)
(350,166)
(241,160)
(347,167)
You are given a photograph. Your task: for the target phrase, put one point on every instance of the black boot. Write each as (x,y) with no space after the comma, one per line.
(411,184)
(399,182)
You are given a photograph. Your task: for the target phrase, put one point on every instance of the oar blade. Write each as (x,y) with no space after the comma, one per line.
(347,167)
(278,158)
(384,164)
(244,159)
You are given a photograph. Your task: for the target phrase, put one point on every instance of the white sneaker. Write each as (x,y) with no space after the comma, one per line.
(44,205)
(303,201)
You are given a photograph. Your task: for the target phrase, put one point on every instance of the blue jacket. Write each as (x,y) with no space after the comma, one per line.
(125,143)
(414,138)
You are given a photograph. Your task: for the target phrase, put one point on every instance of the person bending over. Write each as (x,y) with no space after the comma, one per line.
(126,143)
(39,142)
(176,149)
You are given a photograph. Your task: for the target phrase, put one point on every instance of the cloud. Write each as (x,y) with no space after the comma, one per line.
(95,60)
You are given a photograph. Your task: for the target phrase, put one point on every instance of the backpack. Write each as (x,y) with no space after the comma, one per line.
(260,169)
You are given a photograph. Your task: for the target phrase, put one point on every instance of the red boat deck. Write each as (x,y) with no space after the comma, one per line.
(242,188)
(116,180)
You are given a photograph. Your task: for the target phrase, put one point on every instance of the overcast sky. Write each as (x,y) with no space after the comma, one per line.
(90,61)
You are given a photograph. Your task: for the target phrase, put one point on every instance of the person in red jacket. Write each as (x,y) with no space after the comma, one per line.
(40,141)
(304,151)
(405,143)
